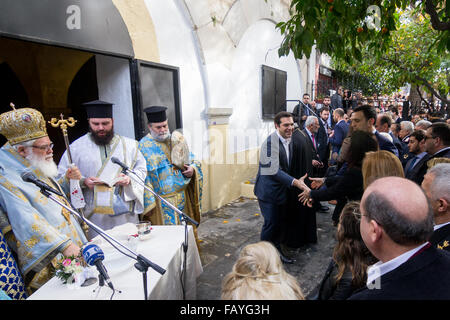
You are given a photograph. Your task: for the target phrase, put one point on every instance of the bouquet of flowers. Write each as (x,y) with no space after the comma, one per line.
(68,269)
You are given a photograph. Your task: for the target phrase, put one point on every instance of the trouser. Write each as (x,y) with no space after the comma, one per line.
(274,219)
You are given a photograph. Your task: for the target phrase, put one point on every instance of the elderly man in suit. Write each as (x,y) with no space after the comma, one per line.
(364,118)
(273,181)
(437,189)
(396,223)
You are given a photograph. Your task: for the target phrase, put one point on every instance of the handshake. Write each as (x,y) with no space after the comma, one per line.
(304,197)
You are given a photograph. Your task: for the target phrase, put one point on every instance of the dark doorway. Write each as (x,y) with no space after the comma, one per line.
(83,88)
(11,90)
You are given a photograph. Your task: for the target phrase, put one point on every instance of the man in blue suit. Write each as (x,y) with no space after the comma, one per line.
(273,181)
(364,118)
(339,133)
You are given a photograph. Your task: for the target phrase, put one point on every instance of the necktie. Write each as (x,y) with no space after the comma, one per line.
(313,141)
(413,160)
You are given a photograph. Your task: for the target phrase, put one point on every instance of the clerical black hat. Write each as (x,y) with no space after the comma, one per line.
(156,114)
(98,109)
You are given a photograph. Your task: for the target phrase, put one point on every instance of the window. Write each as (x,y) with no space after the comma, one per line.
(273,91)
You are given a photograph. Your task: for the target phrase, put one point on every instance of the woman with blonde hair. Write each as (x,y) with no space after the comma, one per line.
(378,164)
(258,274)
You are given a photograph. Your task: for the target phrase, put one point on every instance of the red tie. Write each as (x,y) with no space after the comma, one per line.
(314,142)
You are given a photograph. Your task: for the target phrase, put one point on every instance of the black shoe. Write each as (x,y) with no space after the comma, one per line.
(285,259)
(324,209)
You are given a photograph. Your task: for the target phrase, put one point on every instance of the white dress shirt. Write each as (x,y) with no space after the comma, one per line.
(378,269)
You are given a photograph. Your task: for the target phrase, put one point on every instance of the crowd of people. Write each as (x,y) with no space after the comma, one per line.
(36,233)
(389,179)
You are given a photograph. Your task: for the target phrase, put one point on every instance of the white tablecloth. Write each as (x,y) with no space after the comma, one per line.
(163,247)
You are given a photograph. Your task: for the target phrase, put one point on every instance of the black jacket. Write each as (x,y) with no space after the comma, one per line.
(425,276)
(441,238)
(332,290)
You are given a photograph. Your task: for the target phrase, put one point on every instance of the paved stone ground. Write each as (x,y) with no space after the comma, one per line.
(225,231)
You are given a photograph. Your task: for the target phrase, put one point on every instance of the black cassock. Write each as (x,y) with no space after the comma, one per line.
(300,227)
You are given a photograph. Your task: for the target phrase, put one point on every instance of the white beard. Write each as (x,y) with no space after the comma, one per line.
(160,138)
(47,166)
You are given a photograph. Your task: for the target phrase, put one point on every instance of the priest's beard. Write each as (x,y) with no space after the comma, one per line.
(45,164)
(102,140)
(160,137)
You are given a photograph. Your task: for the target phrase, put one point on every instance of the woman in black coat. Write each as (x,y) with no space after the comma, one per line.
(343,188)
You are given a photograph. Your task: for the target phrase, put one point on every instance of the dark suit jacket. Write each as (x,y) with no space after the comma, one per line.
(340,132)
(323,148)
(385,144)
(419,171)
(336,101)
(272,179)
(425,276)
(299,111)
(441,238)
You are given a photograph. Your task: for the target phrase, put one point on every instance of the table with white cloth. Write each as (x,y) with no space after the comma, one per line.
(163,247)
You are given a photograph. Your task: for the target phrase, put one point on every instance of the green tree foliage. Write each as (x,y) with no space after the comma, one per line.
(393,50)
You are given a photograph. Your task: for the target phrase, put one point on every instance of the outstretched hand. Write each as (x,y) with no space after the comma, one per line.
(317,182)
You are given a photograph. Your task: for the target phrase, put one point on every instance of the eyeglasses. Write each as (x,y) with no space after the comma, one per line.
(44,147)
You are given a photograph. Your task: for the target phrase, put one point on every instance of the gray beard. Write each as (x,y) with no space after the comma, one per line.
(47,167)
(160,138)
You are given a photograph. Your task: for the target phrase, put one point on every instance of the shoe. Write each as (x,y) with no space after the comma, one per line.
(285,259)
(324,209)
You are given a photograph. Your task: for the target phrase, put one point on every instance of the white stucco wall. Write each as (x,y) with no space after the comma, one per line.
(258,46)
(219,46)
(113,78)
(178,47)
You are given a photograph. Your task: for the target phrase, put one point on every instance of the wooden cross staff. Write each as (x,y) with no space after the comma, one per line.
(63,123)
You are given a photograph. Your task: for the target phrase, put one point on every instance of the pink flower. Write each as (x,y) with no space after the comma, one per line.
(67,262)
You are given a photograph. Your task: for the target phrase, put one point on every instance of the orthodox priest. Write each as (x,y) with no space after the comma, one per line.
(301,227)
(172,171)
(35,228)
(112,198)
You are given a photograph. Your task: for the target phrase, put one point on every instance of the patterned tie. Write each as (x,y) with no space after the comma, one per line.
(313,141)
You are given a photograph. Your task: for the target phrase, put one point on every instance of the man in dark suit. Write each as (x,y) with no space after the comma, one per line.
(338,134)
(416,150)
(323,144)
(437,189)
(327,103)
(302,111)
(310,132)
(383,124)
(273,181)
(337,100)
(437,145)
(364,118)
(396,223)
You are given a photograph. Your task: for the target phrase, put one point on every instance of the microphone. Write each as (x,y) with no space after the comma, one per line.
(93,256)
(120,163)
(29,176)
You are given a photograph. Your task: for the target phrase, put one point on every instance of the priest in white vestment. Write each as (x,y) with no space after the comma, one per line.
(112,198)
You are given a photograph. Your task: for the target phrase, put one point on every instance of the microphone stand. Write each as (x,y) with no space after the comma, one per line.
(142,261)
(183,217)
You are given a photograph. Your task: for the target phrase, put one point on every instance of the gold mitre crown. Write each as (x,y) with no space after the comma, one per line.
(20,125)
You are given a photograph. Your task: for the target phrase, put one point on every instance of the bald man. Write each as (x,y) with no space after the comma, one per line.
(396,223)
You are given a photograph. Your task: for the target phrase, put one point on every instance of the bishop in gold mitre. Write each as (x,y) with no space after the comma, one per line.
(36,228)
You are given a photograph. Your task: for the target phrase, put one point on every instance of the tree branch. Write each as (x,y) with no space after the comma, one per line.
(421,97)
(423,80)
(434,18)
